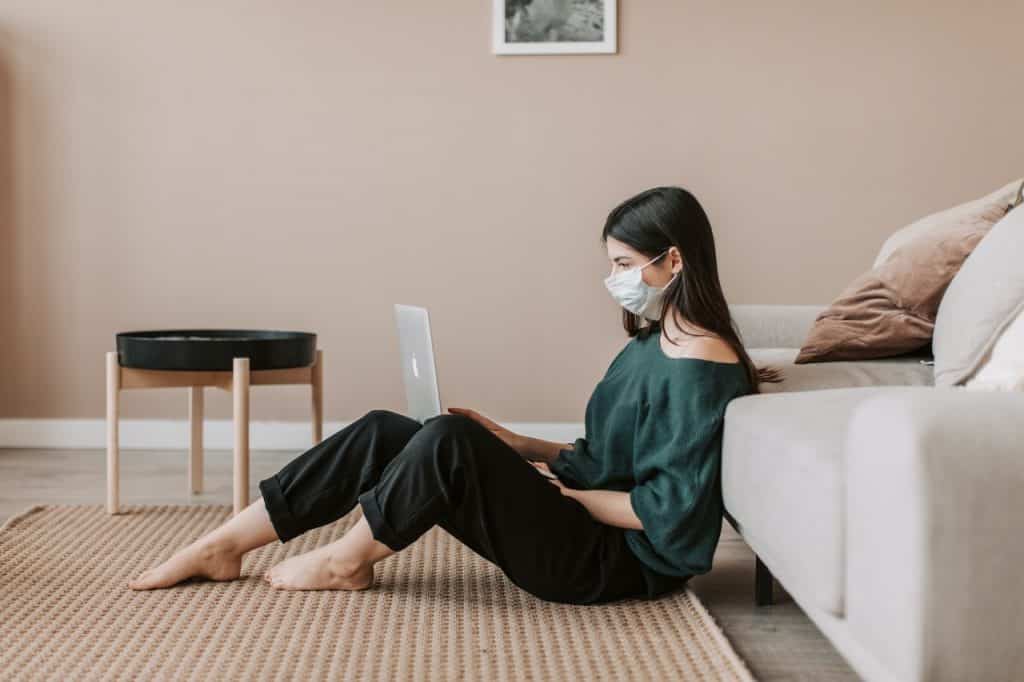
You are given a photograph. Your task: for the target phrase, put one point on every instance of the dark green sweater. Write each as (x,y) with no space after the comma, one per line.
(653,428)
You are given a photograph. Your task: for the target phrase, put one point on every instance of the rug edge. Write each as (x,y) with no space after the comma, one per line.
(36,508)
(719,634)
(21,516)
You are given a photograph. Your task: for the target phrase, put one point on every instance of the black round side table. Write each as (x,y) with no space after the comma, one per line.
(229,359)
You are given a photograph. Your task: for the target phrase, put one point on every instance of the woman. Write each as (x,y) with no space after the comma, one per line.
(635,507)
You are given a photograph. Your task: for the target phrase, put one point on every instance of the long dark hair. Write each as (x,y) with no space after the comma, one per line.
(657,219)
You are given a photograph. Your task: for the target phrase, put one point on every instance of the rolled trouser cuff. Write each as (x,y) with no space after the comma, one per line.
(277,508)
(379,526)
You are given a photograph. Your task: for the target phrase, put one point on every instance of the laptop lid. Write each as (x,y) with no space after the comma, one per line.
(419,370)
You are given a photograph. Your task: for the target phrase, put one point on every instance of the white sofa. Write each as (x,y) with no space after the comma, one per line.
(890,509)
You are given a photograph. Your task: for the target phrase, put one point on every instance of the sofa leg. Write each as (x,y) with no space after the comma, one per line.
(762,583)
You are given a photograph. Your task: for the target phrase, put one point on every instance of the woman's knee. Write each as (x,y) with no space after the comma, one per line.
(448,421)
(446,425)
(391,427)
(441,438)
(389,418)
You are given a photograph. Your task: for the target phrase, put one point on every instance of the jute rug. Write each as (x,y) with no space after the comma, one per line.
(437,611)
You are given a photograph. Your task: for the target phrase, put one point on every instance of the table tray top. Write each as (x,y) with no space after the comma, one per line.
(215,349)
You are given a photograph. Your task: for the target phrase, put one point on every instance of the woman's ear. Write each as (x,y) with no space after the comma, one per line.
(677,259)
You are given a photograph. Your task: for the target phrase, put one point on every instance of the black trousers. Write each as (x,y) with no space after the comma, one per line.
(454,472)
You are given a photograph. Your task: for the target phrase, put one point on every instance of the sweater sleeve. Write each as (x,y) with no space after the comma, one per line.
(676,463)
(566,464)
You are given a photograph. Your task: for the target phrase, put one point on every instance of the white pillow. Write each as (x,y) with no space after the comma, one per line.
(981,300)
(1003,368)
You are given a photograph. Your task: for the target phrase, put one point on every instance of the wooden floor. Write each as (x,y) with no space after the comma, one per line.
(778,642)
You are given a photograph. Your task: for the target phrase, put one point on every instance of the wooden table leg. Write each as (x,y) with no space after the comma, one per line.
(240,391)
(113,446)
(318,397)
(195,446)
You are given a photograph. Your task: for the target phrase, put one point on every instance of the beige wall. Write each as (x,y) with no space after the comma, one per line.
(304,165)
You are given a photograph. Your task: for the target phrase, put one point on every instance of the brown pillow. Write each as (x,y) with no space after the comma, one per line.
(890,309)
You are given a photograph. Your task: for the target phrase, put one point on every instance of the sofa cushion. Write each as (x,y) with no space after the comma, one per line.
(783,483)
(903,370)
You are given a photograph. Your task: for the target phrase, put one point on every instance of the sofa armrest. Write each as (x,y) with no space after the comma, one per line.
(764,325)
(934,513)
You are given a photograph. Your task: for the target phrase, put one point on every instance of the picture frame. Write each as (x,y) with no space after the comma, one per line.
(538,27)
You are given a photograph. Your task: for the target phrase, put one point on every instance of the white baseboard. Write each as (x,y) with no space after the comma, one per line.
(170,434)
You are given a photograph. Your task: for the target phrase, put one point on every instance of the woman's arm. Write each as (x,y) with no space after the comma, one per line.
(540,450)
(528,447)
(607,506)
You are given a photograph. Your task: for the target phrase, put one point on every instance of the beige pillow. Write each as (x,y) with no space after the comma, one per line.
(991,207)
(890,309)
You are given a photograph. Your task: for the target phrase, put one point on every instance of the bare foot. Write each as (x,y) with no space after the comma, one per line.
(202,559)
(319,569)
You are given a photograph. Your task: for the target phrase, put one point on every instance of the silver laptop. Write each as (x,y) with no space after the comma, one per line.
(419,371)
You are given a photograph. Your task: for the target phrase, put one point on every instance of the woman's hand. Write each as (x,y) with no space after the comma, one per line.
(566,490)
(513,440)
(543,466)
(546,471)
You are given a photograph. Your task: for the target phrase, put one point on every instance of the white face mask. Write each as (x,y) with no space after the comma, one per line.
(634,294)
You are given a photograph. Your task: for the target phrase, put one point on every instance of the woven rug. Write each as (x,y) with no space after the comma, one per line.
(437,611)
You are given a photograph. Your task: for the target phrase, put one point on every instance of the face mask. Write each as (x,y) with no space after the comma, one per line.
(634,294)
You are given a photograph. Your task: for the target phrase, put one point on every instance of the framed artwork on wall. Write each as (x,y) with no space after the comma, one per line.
(554,26)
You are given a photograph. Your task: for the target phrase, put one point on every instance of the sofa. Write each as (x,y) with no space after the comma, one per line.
(890,509)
